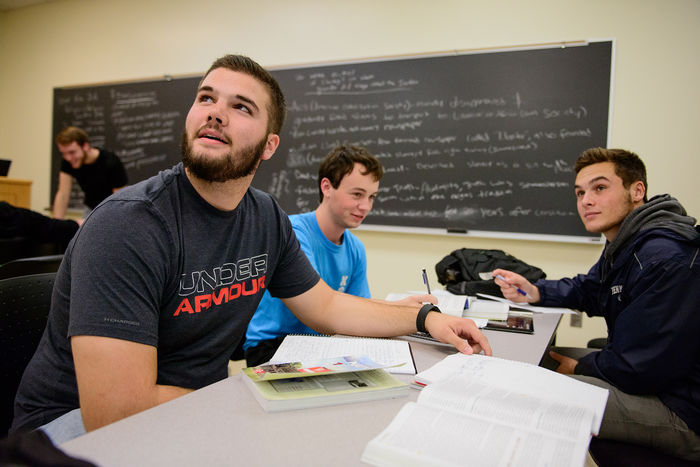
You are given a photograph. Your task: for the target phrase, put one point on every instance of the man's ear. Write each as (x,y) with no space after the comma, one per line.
(326,186)
(86,146)
(637,191)
(270,146)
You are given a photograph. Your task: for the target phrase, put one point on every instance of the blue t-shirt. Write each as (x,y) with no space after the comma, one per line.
(343,267)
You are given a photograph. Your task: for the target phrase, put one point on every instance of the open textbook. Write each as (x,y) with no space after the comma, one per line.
(395,354)
(481,410)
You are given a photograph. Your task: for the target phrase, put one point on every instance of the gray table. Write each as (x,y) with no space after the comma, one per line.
(222,424)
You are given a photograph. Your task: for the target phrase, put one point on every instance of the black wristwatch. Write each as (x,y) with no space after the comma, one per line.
(422,314)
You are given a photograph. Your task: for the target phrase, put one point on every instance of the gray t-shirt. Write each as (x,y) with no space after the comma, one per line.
(158,265)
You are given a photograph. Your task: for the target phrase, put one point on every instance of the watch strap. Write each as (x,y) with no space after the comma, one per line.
(423,314)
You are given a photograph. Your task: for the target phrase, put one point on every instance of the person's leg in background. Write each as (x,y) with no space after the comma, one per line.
(645,420)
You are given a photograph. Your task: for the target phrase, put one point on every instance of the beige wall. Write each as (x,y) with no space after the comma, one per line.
(655,101)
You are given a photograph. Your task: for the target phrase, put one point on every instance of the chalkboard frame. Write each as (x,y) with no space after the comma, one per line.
(190,82)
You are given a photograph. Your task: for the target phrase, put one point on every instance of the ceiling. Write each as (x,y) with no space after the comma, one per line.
(6,5)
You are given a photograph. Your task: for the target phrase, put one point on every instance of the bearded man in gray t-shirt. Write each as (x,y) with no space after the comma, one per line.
(158,286)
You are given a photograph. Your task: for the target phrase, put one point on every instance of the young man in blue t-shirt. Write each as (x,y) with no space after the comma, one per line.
(348,180)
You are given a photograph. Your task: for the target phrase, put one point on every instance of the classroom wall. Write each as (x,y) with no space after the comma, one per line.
(655,95)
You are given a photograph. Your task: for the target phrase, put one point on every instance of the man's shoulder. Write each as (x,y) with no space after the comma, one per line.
(260,205)
(151,189)
(662,246)
(108,158)
(107,153)
(260,196)
(67,168)
(306,220)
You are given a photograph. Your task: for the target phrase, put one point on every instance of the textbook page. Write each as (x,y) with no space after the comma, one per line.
(520,379)
(386,352)
(420,435)
(479,410)
(471,396)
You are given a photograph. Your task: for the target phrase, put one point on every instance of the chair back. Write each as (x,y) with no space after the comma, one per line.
(609,453)
(24,308)
(28,266)
(24,247)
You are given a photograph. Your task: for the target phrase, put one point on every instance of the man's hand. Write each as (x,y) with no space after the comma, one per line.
(453,330)
(566,364)
(509,286)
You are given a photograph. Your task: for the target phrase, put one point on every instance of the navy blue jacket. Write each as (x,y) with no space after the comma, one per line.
(650,299)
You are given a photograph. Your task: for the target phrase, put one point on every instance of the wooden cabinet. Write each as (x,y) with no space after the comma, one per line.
(16,192)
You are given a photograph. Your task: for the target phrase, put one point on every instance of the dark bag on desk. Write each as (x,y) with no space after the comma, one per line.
(459,271)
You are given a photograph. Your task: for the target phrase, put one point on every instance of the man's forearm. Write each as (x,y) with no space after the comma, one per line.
(167,393)
(328,311)
(97,417)
(358,316)
(117,378)
(60,205)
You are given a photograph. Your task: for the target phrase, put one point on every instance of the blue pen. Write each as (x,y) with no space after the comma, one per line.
(425,281)
(520,291)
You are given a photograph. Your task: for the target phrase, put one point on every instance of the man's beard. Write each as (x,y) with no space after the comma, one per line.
(231,166)
(82,160)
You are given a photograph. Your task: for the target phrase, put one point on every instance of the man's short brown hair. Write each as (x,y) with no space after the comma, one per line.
(628,166)
(341,162)
(71,134)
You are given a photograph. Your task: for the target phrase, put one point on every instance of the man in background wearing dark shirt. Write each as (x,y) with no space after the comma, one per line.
(99,172)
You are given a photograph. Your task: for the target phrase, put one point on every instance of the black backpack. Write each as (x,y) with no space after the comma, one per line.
(459,271)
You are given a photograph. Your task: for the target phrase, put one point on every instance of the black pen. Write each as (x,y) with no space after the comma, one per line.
(425,281)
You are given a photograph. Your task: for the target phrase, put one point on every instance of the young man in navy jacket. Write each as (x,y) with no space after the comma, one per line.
(646,285)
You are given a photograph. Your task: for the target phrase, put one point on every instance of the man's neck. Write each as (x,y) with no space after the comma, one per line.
(92,155)
(224,196)
(332,231)
(612,233)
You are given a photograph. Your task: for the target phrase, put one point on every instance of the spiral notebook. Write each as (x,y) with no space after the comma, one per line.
(387,352)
